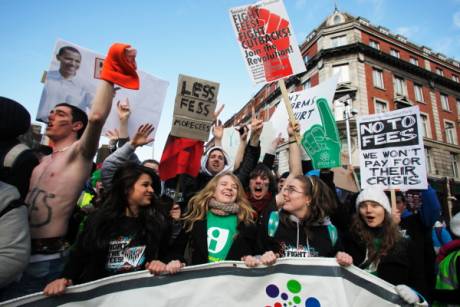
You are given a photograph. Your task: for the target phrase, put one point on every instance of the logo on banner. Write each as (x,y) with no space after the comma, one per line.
(217,237)
(291,297)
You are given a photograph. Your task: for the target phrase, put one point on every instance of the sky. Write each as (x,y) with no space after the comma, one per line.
(192,37)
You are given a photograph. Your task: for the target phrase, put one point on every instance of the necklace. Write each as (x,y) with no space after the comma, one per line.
(61,150)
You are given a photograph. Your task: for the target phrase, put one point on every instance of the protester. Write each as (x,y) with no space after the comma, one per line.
(447,291)
(17,161)
(377,246)
(128,223)
(57,181)
(15,236)
(302,227)
(219,224)
(412,228)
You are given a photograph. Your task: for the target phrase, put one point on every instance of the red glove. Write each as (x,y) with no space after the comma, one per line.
(276,66)
(119,68)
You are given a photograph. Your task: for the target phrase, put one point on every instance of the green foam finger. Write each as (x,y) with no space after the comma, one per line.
(327,119)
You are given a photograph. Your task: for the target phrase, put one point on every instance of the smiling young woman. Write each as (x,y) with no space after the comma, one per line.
(219,224)
(129,222)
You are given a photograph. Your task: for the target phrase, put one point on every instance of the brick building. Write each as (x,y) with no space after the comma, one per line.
(381,71)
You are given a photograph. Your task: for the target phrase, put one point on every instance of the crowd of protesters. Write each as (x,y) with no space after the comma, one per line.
(65,221)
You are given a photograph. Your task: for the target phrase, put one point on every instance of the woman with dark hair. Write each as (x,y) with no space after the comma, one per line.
(377,246)
(219,224)
(301,228)
(127,233)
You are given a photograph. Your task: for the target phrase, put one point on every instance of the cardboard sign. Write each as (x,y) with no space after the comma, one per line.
(312,110)
(391,150)
(73,77)
(196,101)
(267,41)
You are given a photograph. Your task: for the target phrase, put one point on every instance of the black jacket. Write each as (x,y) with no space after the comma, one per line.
(313,240)
(89,263)
(195,243)
(397,267)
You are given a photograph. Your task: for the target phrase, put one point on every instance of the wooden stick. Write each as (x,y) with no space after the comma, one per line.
(287,103)
(393,200)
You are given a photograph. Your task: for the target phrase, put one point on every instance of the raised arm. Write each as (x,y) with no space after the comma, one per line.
(243,132)
(119,68)
(295,159)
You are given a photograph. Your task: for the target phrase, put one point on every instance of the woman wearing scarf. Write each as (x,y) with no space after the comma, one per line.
(219,224)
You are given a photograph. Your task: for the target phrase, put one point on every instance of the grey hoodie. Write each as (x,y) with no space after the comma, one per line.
(14,238)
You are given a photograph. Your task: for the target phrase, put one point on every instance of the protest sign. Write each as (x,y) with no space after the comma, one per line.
(312,110)
(309,282)
(73,78)
(196,101)
(267,41)
(391,150)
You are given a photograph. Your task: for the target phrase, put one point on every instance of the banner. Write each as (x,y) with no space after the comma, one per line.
(310,282)
(391,150)
(73,77)
(196,101)
(318,129)
(267,41)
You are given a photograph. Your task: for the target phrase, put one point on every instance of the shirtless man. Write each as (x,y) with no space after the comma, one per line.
(58,180)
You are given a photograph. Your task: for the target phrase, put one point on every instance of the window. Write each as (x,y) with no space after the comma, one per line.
(418,93)
(374,44)
(451,134)
(381,106)
(458,107)
(399,86)
(439,71)
(425,125)
(445,102)
(455,78)
(338,41)
(343,71)
(394,53)
(429,160)
(306,84)
(413,61)
(454,164)
(377,77)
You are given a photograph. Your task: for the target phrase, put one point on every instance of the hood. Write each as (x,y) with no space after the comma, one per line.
(204,160)
(9,193)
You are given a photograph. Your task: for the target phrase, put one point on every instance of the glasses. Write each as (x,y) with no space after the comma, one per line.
(291,190)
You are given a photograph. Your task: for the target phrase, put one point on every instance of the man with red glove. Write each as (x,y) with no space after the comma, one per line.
(57,181)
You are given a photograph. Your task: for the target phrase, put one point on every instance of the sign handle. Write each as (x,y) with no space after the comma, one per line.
(393,200)
(286,100)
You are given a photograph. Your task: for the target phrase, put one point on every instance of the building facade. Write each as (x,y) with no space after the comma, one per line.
(381,72)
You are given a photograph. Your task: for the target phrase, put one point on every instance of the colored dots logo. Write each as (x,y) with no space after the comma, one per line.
(290,298)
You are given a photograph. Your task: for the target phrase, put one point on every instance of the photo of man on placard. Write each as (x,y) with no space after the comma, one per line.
(64,84)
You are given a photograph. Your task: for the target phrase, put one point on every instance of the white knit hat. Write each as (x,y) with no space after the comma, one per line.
(374,194)
(455,224)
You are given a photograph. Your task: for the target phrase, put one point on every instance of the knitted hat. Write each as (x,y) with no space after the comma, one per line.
(455,224)
(14,119)
(376,195)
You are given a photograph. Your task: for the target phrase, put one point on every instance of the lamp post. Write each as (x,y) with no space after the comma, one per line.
(348,112)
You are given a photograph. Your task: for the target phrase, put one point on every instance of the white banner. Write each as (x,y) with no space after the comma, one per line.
(311,282)
(267,41)
(73,78)
(391,150)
